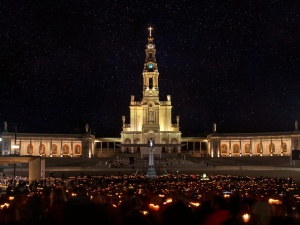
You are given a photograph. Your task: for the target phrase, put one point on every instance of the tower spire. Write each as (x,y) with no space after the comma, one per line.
(150,30)
(150,72)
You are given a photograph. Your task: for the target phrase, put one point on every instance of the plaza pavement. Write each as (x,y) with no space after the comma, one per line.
(281,167)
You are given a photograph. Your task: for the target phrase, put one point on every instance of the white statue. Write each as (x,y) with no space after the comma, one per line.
(151,117)
(214,127)
(86,128)
(5,125)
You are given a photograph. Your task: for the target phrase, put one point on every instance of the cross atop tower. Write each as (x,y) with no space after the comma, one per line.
(150,30)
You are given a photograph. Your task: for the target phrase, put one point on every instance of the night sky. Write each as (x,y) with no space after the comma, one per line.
(67,63)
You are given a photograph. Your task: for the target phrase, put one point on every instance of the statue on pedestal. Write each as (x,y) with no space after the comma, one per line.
(151,173)
(5,126)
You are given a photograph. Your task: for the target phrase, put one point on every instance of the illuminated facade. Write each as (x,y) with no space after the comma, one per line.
(150,117)
(47,145)
(253,144)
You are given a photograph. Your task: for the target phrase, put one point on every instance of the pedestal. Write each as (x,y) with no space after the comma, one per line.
(151,173)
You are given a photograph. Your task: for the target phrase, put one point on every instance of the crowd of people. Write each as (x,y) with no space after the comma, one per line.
(167,200)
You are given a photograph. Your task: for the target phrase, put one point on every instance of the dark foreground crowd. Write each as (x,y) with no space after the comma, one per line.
(134,200)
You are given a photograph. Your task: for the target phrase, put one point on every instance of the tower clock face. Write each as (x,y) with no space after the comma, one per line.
(150,65)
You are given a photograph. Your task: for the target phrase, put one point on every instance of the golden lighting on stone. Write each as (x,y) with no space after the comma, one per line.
(15,146)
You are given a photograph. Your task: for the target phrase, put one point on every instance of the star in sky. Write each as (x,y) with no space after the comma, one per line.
(66,64)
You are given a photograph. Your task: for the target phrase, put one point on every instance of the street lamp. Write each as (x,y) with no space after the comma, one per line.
(15,147)
(16,150)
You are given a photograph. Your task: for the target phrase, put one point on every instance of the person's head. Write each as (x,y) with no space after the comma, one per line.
(178,213)
(219,202)
(57,195)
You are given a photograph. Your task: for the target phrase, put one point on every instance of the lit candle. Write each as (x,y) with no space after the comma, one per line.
(246,217)
(154,207)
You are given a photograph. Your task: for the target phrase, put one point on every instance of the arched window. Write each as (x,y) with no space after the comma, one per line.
(236,148)
(29,149)
(271,148)
(65,149)
(224,148)
(284,147)
(54,149)
(150,83)
(77,150)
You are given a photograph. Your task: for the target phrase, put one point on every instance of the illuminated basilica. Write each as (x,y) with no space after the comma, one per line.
(150,118)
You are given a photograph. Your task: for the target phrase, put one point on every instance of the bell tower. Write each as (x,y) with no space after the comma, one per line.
(150,101)
(150,72)
(150,117)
